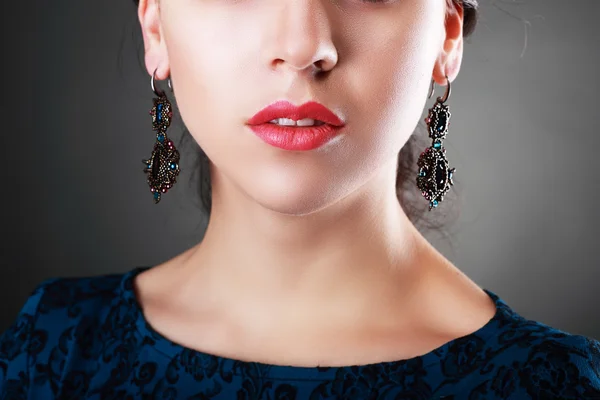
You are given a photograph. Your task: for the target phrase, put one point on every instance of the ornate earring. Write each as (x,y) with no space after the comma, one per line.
(163,166)
(435,176)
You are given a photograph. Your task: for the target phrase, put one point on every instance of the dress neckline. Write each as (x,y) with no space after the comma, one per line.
(230,366)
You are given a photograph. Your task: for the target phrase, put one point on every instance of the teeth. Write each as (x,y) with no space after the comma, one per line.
(291,122)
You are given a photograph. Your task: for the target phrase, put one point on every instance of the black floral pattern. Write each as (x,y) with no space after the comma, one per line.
(87,338)
(548,371)
(505,381)
(464,356)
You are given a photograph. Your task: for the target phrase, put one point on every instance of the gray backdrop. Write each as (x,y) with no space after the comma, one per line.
(524,140)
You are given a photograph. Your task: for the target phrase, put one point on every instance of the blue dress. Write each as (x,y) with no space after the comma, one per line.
(86,338)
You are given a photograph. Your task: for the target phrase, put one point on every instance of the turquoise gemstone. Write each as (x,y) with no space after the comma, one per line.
(435,203)
(422,173)
(173,165)
(437,145)
(161,137)
(156,195)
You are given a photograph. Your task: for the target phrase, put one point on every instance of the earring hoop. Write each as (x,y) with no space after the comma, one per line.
(159,93)
(446,94)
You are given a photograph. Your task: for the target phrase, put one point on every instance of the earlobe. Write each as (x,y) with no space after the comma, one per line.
(154,47)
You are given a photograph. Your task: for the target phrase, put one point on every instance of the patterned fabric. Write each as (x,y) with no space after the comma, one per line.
(86,338)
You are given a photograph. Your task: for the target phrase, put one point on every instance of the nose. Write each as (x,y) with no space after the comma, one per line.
(301,38)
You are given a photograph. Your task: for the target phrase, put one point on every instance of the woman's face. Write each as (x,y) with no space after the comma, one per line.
(228,59)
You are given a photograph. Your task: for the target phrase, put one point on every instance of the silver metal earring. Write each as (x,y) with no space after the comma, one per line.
(435,176)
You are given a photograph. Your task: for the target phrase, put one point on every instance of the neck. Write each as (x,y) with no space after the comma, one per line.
(361,253)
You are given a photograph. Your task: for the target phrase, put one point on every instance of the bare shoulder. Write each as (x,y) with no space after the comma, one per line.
(454,300)
(157,286)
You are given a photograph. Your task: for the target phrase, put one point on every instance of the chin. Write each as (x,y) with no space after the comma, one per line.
(294,197)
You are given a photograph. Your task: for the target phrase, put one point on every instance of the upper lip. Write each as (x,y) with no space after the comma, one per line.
(285,109)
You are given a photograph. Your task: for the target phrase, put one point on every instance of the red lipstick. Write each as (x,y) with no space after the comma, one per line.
(296,137)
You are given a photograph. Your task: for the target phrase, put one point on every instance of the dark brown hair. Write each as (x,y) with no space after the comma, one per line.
(414,205)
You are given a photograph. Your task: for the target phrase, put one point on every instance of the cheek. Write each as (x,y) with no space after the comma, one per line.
(210,70)
(388,79)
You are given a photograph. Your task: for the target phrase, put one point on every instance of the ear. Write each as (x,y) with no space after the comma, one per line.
(155,50)
(450,57)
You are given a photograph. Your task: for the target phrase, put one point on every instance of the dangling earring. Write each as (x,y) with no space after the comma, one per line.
(163,166)
(435,176)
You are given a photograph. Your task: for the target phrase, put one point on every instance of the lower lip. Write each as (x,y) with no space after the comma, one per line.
(294,137)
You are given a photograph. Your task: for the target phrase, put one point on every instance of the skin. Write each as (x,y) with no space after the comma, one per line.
(308,258)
